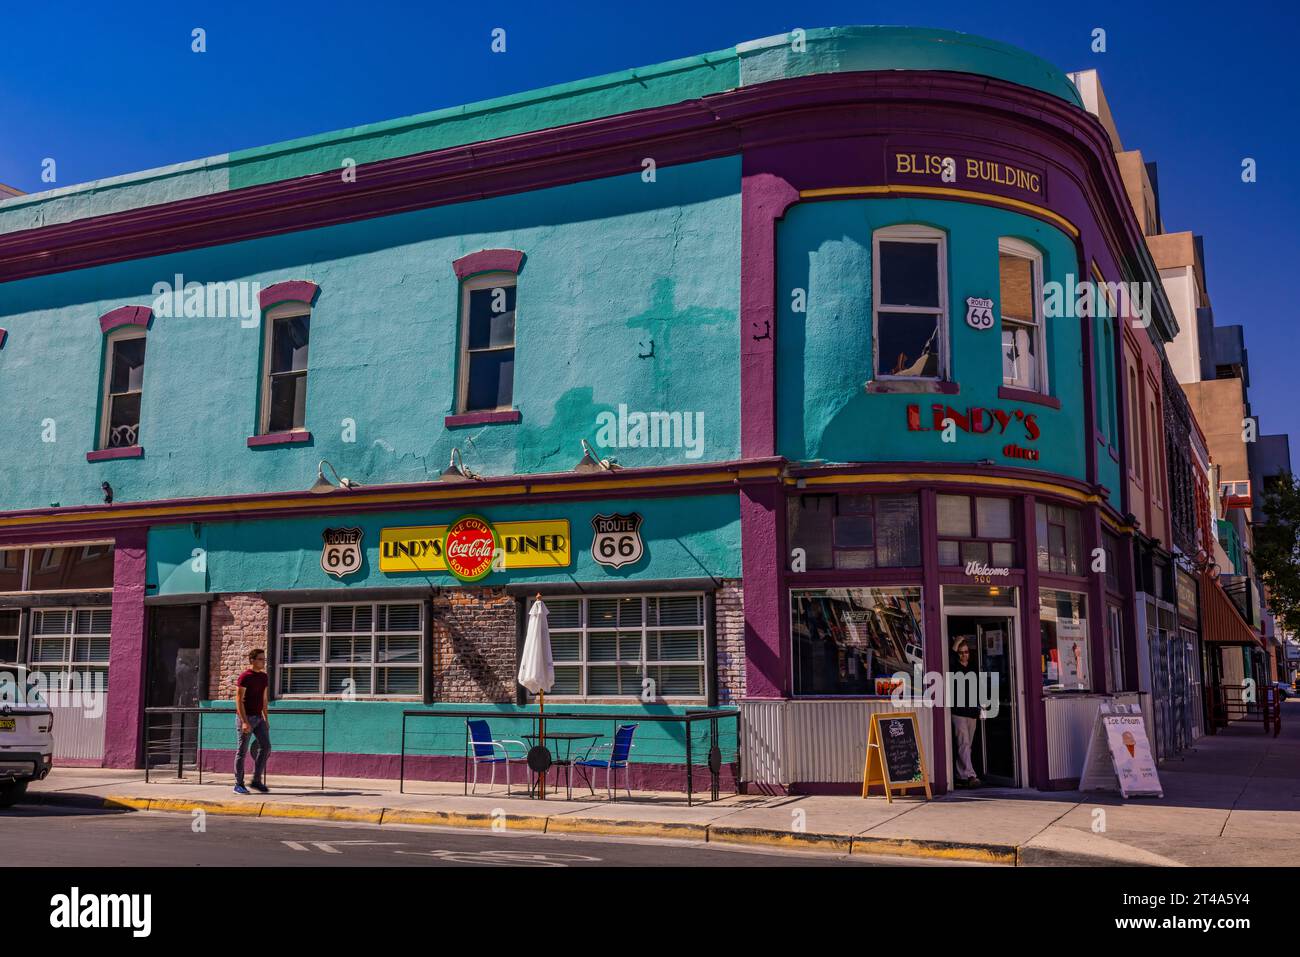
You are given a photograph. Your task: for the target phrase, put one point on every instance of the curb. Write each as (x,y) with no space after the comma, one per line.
(937,850)
(984,853)
(514,822)
(788,840)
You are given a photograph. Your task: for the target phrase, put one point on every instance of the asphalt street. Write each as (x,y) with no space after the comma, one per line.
(32,835)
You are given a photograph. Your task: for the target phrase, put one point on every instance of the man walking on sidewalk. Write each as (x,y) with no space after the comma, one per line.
(251,721)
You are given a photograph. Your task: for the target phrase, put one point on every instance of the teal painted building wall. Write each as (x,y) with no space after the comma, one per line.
(614,261)
(695,537)
(824,412)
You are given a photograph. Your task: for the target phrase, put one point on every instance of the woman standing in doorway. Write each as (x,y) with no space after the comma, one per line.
(965,710)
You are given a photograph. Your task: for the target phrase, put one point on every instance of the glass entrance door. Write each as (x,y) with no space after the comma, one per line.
(994,750)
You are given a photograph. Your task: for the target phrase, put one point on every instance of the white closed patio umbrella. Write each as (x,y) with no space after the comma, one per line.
(536,667)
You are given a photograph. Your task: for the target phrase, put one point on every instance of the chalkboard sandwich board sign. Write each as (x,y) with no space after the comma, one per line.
(895,756)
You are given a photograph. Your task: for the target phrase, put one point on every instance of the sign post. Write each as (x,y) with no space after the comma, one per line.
(895,755)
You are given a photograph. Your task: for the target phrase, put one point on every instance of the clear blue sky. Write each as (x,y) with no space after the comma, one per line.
(112,87)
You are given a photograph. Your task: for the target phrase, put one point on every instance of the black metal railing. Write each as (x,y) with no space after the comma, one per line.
(174,734)
(670,752)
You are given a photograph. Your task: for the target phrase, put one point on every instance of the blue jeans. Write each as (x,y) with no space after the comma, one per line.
(261,738)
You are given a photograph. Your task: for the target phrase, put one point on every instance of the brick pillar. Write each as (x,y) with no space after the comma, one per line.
(238,624)
(124,712)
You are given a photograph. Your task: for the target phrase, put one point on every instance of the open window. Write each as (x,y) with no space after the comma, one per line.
(123,388)
(909,302)
(487,343)
(284,377)
(1020,300)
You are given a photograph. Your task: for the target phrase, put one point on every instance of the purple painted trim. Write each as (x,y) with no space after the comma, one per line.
(291,290)
(704,128)
(1027,395)
(104,455)
(1035,712)
(126,663)
(296,437)
(125,316)
(488,260)
(1113,453)
(481,418)
(956,469)
(4,334)
(918,387)
(763,558)
(495,490)
(764,199)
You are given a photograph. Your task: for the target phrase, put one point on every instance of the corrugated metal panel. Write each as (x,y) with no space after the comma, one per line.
(816,741)
(76,735)
(763,742)
(1069,722)
(828,739)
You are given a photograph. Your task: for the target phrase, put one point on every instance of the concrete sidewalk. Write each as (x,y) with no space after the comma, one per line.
(1234,799)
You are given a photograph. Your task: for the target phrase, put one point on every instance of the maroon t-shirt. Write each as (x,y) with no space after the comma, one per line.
(254,684)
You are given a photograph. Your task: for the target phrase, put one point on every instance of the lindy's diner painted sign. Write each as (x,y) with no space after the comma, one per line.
(424,548)
(981,421)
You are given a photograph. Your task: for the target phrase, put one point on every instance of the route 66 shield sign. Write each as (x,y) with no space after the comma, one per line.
(979,313)
(618,539)
(340,555)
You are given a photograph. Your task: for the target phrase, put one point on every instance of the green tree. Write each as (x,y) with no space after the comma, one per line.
(1277,550)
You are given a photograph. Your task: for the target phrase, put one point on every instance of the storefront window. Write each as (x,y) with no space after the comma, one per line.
(351,650)
(856,531)
(1064,619)
(1115,641)
(70,568)
(851,641)
(611,647)
(72,641)
(1060,549)
(11,569)
(969,529)
(9,635)
(1110,545)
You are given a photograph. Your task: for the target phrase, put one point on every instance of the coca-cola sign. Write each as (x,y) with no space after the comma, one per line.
(468,548)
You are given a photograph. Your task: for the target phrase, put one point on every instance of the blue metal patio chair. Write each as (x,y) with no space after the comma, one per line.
(481,748)
(616,759)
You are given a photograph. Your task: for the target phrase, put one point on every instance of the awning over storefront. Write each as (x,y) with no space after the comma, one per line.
(1221,622)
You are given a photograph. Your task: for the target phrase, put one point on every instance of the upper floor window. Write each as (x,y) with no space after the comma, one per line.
(487,351)
(123,389)
(909,302)
(284,381)
(1020,297)
(1060,542)
(856,531)
(975,529)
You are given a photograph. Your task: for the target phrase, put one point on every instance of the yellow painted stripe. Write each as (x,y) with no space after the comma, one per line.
(942,191)
(349,500)
(894,478)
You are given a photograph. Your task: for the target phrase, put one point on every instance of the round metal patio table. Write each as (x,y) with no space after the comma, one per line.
(568,737)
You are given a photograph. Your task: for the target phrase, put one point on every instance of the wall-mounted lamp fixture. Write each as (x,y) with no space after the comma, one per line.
(108,493)
(590,463)
(456,471)
(323,485)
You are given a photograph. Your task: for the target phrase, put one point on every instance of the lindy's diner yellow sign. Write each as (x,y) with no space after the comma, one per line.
(419,548)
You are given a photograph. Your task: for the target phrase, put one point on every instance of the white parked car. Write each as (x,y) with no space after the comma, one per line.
(26,734)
